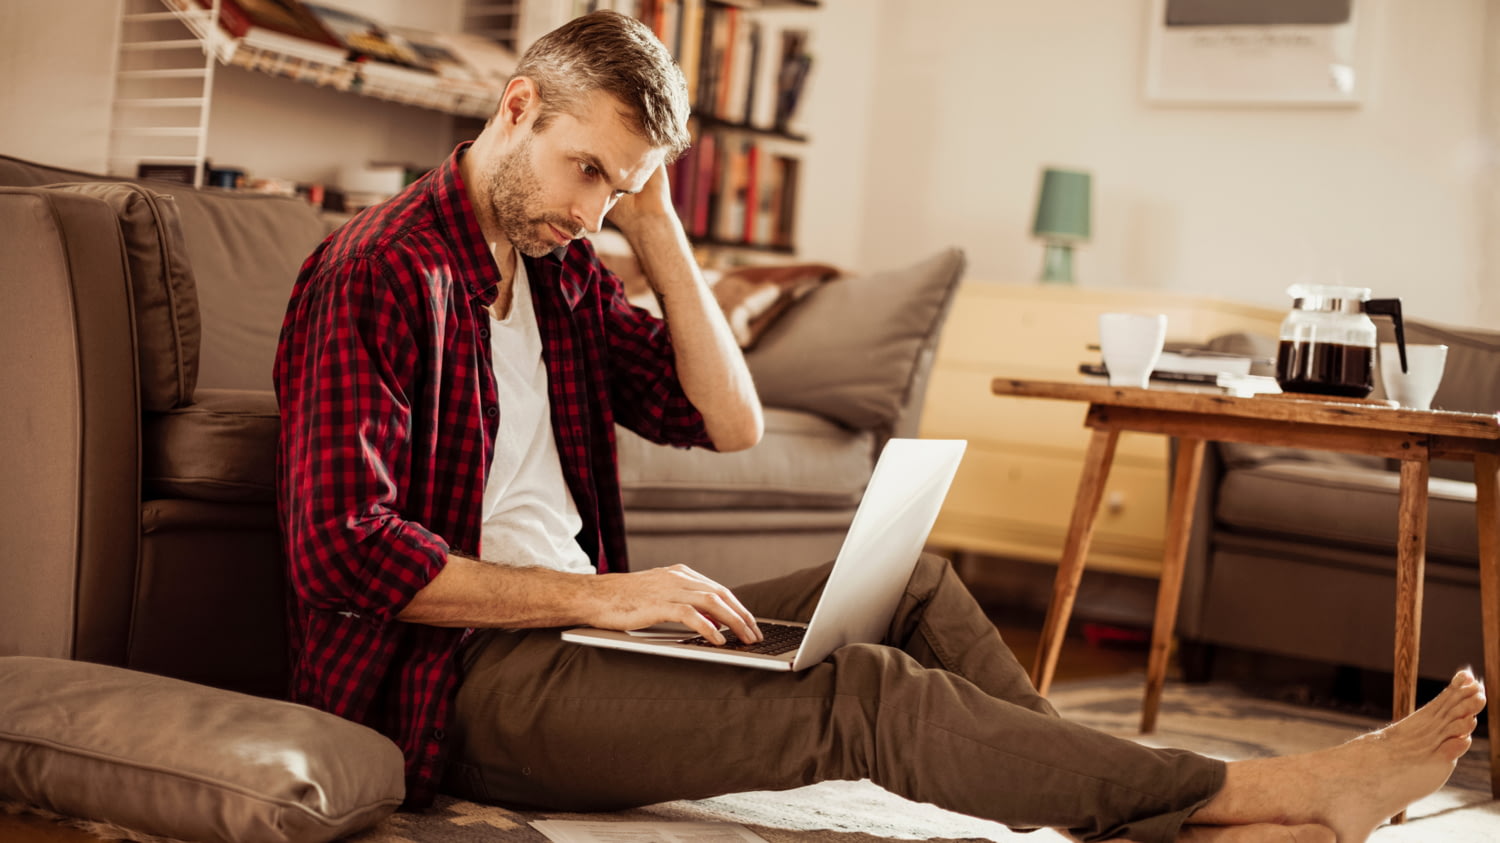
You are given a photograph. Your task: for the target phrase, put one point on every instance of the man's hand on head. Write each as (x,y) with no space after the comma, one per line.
(651,205)
(675,593)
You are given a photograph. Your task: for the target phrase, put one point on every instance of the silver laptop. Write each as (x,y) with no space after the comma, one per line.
(869,576)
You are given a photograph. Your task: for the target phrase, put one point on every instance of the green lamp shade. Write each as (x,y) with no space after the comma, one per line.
(1062,209)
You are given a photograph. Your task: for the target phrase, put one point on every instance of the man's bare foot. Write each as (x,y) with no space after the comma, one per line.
(1257,833)
(1376,776)
(1355,787)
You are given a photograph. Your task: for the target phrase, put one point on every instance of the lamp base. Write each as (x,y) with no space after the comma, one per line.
(1057,263)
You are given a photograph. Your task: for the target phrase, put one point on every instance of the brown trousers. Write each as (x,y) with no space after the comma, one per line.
(941,713)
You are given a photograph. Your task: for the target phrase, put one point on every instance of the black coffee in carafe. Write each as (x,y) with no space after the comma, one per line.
(1328,341)
(1325,368)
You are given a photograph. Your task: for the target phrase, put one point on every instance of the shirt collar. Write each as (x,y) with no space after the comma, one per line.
(481,277)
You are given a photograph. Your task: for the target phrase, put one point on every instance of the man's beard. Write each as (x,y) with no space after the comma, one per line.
(513,192)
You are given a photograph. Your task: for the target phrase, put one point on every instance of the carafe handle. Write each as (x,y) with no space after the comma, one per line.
(1391,308)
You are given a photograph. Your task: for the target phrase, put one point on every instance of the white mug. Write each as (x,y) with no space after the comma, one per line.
(1415,387)
(1131,344)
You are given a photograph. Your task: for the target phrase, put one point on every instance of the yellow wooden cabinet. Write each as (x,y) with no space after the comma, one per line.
(1013,495)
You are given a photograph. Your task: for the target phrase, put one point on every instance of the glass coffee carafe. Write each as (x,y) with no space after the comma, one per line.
(1328,340)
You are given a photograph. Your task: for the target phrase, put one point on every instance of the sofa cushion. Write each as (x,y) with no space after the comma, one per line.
(1345,505)
(221,447)
(803,462)
(849,351)
(245,250)
(167,757)
(161,284)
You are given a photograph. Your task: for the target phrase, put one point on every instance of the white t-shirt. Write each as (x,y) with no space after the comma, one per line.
(529,514)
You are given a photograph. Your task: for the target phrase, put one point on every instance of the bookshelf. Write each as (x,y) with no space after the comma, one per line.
(735,189)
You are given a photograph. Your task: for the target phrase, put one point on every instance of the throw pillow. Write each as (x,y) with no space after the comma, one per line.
(167,757)
(754,297)
(850,350)
(162,285)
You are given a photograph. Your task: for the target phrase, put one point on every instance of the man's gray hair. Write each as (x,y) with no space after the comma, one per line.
(610,52)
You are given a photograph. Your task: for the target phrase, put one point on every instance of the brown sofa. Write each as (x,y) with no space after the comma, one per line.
(137,521)
(1293,552)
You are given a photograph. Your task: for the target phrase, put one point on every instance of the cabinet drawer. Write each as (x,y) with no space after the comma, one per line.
(1021,504)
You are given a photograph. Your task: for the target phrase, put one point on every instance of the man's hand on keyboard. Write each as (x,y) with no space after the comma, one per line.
(674,593)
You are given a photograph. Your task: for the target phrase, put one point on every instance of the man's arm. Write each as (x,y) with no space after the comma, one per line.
(471,593)
(709,363)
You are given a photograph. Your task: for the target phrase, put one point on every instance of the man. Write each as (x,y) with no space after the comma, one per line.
(450,371)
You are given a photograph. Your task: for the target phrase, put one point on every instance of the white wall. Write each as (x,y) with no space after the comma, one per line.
(972,98)
(54,81)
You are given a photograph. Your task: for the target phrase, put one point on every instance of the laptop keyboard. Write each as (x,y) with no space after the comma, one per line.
(779,638)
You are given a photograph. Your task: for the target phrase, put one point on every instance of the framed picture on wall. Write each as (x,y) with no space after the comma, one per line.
(1254,52)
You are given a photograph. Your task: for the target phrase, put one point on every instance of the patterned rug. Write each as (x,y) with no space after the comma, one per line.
(1213,719)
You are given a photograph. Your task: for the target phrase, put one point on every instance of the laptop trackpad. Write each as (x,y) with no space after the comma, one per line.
(668,631)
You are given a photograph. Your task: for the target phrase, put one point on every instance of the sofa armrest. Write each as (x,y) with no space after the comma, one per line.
(70,503)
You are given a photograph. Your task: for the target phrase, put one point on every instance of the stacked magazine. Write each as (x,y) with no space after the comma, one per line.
(1203,367)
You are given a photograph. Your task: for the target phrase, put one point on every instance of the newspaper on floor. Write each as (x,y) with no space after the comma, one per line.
(585,831)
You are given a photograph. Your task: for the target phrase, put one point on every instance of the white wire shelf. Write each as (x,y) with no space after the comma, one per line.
(430,91)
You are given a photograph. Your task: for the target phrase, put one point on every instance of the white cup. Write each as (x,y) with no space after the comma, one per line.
(1415,387)
(1131,344)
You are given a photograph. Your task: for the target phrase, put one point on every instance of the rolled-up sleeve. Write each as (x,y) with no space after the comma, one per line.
(343,379)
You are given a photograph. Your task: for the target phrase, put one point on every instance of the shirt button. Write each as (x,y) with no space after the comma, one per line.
(492,411)
(438,734)
(484,333)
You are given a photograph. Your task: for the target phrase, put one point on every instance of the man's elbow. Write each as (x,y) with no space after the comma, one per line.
(745,432)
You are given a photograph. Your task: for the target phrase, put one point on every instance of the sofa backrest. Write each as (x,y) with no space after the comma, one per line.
(244,250)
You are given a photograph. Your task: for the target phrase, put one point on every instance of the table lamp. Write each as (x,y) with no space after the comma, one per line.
(1062,219)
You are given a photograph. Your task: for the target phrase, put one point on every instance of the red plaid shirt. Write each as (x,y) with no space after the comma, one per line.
(388,418)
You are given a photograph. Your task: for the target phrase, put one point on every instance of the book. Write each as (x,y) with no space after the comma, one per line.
(785,229)
(751,76)
(690,39)
(1209,378)
(286,17)
(367,39)
(434,55)
(279,26)
(1202,367)
(793,69)
(751,192)
(705,182)
(487,61)
(728,44)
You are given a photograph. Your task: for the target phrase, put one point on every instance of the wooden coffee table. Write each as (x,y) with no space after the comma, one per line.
(1415,437)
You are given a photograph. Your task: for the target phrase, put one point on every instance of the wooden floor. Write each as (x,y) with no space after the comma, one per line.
(1080,659)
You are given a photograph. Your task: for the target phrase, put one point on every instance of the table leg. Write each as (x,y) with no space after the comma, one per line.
(1411,563)
(1096,463)
(1487,510)
(1169,592)
(1411,560)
